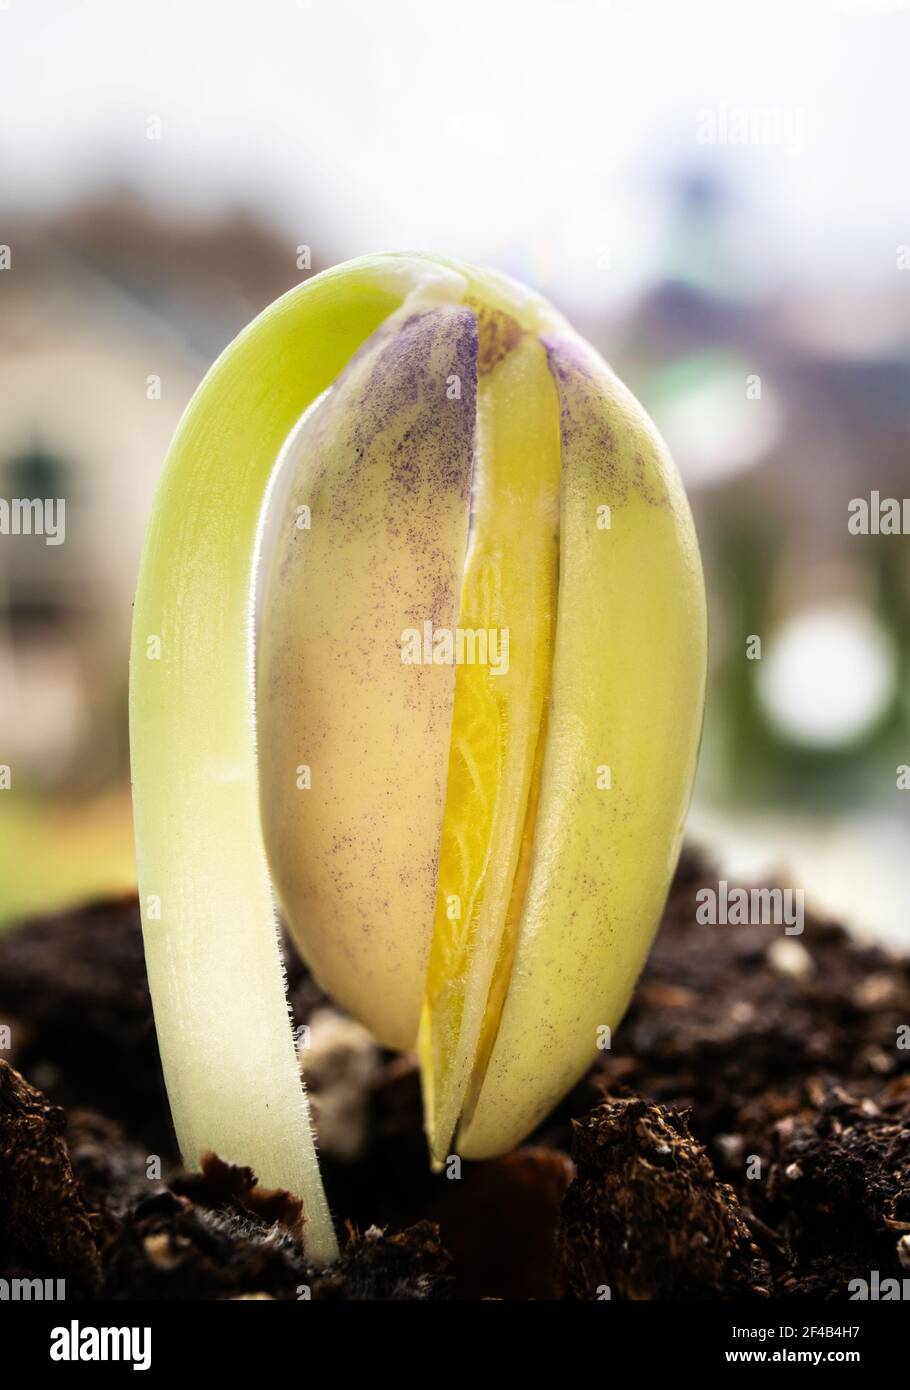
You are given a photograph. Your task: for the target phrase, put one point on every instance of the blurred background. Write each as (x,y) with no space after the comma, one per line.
(716,194)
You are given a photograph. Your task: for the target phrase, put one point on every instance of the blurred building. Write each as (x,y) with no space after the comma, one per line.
(109,318)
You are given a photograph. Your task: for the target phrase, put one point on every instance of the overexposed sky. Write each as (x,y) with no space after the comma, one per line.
(539,134)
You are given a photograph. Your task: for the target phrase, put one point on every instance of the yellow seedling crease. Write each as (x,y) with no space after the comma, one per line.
(509,591)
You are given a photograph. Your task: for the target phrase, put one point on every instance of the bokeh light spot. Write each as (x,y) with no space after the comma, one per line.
(828,675)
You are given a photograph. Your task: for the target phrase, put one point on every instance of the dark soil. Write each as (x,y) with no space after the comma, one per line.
(747,1137)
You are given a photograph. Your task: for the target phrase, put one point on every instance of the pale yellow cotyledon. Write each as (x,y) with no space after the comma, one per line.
(482,854)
